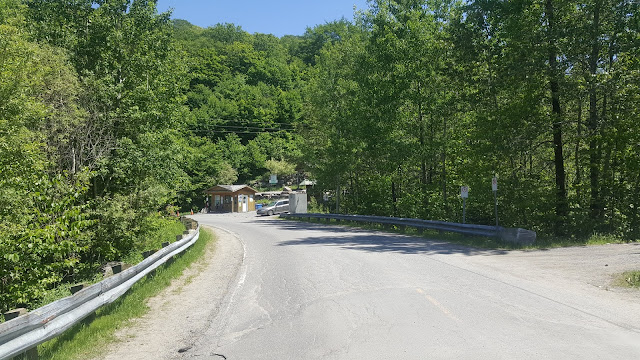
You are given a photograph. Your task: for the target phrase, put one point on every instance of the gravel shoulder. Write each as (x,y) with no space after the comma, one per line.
(589,268)
(597,265)
(186,308)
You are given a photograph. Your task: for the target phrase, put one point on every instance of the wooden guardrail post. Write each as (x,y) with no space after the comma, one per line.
(76,287)
(31,354)
(148,253)
(116,268)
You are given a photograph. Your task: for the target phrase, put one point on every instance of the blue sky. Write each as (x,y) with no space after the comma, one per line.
(278,17)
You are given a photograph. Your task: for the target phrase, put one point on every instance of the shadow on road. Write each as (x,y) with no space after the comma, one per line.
(373,241)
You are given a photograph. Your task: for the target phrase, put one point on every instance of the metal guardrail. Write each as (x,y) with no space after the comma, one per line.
(513,235)
(30,330)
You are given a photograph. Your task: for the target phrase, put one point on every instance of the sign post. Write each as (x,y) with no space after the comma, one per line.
(273,179)
(494,187)
(464,193)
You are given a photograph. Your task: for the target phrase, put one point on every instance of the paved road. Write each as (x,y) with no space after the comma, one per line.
(308,291)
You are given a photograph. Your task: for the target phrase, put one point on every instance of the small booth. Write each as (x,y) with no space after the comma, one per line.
(231,198)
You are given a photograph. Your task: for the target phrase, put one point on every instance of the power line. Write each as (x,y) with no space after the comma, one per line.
(243,127)
(233,132)
(247,121)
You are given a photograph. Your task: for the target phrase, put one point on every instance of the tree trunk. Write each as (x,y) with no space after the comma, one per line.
(606,147)
(423,161)
(594,148)
(556,117)
(338,196)
(577,154)
(394,198)
(635,228)
(444,166)
(73,160)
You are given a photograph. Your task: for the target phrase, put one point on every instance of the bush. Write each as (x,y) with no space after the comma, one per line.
(63,239)
(48,247)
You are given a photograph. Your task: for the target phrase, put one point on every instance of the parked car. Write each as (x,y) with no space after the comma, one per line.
(274,207)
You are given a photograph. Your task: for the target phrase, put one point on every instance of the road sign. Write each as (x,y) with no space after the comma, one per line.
(273,179)
(464,193)
(494,187)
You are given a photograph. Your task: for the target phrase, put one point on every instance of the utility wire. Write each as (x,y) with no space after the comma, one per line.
(239,131)
(246,121)
(231,132)
(241,127)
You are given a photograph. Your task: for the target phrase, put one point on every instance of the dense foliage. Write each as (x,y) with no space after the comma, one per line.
(91,102)
(425,96)
(113,116)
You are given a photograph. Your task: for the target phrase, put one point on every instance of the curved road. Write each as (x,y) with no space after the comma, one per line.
(311,291)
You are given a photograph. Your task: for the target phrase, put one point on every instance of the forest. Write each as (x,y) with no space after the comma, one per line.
(115,117)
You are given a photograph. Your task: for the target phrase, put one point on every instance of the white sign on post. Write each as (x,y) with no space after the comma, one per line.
(464,192)
(273,179)
(494,184)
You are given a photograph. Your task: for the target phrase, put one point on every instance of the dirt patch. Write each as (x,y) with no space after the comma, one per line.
(586,267)
(185,309)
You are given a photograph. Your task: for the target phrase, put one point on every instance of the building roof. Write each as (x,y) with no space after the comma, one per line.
(307,183)
(229,189)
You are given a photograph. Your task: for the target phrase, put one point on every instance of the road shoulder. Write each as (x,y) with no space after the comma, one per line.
(184,310)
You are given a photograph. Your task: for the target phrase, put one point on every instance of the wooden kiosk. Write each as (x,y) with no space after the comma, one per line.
(231,198)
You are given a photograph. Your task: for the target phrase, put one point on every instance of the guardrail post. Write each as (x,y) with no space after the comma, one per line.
(148,253)
(31,354)
(117,268)
(75,288)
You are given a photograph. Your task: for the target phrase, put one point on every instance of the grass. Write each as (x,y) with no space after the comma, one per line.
(160,230)
(593,240)
(488,242)
(63,290)
(603,239)
(472,241)
(91,337)
(629,279)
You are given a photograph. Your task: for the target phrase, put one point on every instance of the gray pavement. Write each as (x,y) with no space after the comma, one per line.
(311,291)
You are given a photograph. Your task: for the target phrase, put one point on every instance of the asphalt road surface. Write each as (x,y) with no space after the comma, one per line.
(311,291)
